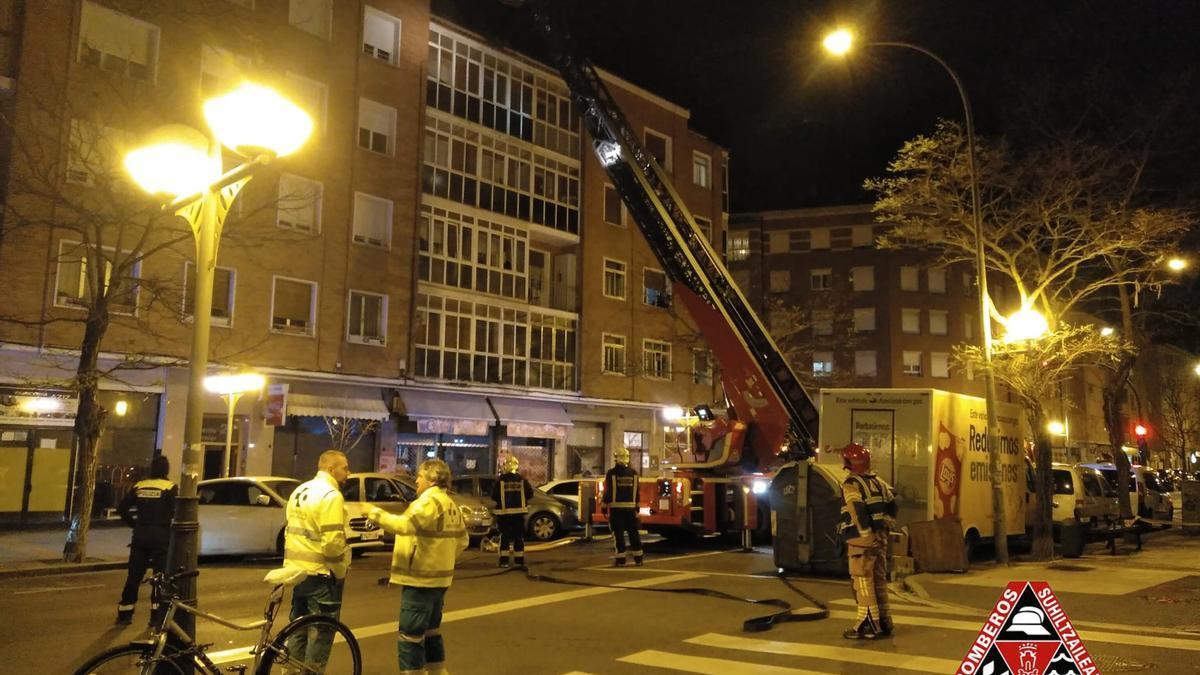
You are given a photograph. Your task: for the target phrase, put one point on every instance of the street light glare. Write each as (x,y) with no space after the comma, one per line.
(254,118)
(1107,331)
(1025,324)
(1177,264)
(672,413)
(175,161)
(234,384)
(1057,428)
(838,42)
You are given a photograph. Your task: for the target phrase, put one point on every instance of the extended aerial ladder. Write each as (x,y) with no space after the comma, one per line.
(774,420)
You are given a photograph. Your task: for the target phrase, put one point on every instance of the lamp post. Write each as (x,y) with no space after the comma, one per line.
(181,162)
(839,43)
(232,387)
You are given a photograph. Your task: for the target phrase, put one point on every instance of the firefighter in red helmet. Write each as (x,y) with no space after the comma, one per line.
(868,513)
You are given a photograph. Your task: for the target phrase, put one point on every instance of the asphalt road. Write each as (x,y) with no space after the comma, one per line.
(506,623)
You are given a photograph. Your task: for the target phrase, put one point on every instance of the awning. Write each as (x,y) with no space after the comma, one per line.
(307,405)
(526,411)
(446,405)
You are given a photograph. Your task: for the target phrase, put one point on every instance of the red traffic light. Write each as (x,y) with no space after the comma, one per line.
(1139,430)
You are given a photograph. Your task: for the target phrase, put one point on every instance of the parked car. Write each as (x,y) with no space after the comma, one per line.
(567,488)
(548,516)
(394,494)
(1151,500)
(1081,493)
(244,515)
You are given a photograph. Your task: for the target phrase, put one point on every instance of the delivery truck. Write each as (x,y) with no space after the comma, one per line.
(929,445)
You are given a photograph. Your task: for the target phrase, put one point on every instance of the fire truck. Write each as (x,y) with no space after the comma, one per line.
(756,453)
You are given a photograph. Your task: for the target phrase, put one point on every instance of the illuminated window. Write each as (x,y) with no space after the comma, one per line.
(367,320)
(613,356)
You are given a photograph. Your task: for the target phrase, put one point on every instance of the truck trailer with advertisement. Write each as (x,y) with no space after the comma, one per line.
(930,446)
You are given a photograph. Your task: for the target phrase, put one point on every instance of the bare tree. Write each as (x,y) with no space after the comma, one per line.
(1180,415)
(346,432)
(822,323)
(1055,217)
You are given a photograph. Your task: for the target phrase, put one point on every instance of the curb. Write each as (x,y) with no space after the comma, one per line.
(50,570)
(912,585)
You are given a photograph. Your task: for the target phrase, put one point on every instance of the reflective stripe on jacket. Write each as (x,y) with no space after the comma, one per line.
(621,488)
(868,506)
(315,538)
(511,494)
(429,536)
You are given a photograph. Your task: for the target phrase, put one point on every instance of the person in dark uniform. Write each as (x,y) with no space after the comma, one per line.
(868,512)
(621,502)
(511,494)
(148,509)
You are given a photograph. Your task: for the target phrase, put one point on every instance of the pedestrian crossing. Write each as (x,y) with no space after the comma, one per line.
(920,628)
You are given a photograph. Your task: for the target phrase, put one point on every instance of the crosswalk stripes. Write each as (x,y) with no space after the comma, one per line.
(839,655)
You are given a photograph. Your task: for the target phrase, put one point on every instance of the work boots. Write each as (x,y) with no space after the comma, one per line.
(863,632)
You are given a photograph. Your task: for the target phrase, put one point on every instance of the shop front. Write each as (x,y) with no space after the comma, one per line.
(315,418)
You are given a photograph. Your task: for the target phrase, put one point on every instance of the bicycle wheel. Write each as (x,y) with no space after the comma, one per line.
(130,658)
(292,649)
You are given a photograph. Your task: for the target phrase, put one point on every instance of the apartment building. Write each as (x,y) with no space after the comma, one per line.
(442,259)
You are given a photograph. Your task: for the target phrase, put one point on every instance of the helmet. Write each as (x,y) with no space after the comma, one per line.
(509,465)
(856,458)
(621,456)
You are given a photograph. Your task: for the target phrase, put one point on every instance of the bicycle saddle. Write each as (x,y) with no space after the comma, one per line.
(285,576)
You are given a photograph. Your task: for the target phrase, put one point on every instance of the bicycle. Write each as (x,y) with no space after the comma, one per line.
(154,655)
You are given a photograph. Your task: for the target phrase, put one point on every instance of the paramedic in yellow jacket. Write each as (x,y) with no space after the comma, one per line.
(429,536)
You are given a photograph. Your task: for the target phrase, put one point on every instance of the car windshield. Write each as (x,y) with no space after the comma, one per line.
(1110,475)
(283,488)
(1152,482)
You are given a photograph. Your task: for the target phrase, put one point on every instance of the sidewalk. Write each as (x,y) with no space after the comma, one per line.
(39,552)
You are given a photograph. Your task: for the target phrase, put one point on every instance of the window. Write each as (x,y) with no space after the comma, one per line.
(657,292)
(863,236)
(477,254)
(660,146)
(222,296)
(701,169)
(908,278)
(781,281)
(613,357)
(299,203)
(912,363)
(841,238)
(614,211)
(822,364)
(725,186)
(910,321)
(939,364)
(822,322)
(381,490)
(968,287)
(863,278)
(702,370)
(312,96)
(968,327)
(866,364)
(799,241)
(821,279)
(95,153)
(777,242)
(938,322)
(117,43)
(937,281)
(614,279)
(656,359)
(381,35)
(312,16)
(367,318)
(376,126)
(864,319)
(372,220)
(220,70)
(293,306)
(820,238)
(705,226)
(739,247)
(82,269)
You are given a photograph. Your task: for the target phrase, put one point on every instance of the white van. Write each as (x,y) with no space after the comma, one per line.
(1152,501)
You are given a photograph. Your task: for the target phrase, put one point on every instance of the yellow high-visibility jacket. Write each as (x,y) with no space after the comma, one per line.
(429,536)
(315,538)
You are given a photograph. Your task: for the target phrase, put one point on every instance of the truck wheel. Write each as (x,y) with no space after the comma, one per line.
(762,533)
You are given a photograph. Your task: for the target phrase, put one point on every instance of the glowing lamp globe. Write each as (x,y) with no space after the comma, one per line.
(838,42)
(238,383)
(254,119)
(174,161)
(1025,324)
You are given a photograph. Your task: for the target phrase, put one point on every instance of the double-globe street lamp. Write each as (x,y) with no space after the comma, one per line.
(839,43)
(178,161)
(231,387)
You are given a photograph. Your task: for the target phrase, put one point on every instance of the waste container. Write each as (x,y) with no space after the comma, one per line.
(1072,538)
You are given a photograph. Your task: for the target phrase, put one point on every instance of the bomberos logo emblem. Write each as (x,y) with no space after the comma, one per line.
(1027,633)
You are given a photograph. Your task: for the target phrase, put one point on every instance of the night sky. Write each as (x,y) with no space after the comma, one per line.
(804,130)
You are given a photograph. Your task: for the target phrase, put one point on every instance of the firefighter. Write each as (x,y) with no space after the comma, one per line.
(621,502)
(154,502)
(430,535)
(315,542)
(511,494)
(868,511)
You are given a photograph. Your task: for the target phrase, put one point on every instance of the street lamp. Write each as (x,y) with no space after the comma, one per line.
(839,43)
(183,163)
(232,387)
(1025,324)
(1177,264)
